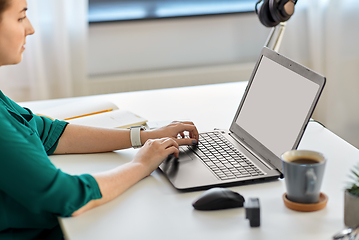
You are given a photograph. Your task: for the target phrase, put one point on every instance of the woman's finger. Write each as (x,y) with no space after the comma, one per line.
(182,134)
(172,150)
(187,141)
(169,142)
(193,132)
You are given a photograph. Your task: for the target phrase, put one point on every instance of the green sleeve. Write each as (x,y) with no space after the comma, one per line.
(28,176)
(48,130)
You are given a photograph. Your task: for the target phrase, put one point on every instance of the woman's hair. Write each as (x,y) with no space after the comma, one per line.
(4,4)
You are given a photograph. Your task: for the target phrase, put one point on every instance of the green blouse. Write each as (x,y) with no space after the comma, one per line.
(33,192)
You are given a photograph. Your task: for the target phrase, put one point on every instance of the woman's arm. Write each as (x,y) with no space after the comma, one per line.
(158,144)
(114,182)
(82,139)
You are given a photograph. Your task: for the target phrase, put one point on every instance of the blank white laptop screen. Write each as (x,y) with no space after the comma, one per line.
(276,106)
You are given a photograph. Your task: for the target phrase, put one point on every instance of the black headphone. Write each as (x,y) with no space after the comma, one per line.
(272,12)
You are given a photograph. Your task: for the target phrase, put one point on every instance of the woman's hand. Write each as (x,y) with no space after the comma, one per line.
(172,131)
(116,181)
(153,152)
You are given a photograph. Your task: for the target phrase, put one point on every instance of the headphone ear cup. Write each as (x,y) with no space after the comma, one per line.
(277,10)
(286,9)
(274,11)
(265,16)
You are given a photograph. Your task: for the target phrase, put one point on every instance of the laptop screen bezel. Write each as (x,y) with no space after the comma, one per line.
(251,142)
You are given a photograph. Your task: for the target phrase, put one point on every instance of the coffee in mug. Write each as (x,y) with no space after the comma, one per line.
(304,161)
(303,173)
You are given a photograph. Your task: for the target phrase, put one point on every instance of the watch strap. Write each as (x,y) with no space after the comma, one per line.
(135,133)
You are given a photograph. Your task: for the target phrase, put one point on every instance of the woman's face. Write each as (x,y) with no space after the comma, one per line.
(14,27)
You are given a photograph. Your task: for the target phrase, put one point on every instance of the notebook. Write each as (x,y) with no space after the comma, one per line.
(271,119)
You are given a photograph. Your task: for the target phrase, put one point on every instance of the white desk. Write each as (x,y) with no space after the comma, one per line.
(153,209)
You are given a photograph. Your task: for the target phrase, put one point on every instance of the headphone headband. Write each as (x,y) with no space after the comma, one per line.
(257,5)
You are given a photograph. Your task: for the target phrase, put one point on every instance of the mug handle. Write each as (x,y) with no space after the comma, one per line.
(311,180)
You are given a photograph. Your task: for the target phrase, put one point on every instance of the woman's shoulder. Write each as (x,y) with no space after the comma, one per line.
(11,105)
(11,118)
(4,98)
(3,110)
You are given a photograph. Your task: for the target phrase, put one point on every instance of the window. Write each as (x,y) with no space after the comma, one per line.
(121,10)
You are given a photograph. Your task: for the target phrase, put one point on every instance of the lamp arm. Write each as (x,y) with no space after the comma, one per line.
(275,37)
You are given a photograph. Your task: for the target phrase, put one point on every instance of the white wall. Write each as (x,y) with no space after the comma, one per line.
(126,56)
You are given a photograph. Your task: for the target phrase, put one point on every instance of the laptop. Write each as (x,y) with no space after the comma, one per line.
(271,119)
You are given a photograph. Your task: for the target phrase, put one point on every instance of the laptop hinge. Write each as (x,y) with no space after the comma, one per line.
(250,150)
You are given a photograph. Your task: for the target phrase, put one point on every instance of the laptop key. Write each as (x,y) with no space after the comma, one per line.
(228,165)
(244,175)
(210,164)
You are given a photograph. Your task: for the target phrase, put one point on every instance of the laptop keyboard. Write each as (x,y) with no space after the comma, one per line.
(225,161)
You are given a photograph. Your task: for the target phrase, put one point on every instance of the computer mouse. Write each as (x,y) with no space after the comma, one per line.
(218,198)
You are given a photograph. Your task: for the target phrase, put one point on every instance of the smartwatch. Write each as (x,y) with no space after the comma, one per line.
(135,132)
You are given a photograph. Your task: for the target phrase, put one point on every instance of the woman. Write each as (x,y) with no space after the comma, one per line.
(33,193)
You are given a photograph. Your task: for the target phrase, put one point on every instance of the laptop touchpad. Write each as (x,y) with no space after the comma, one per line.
(170,166)
(185,154)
